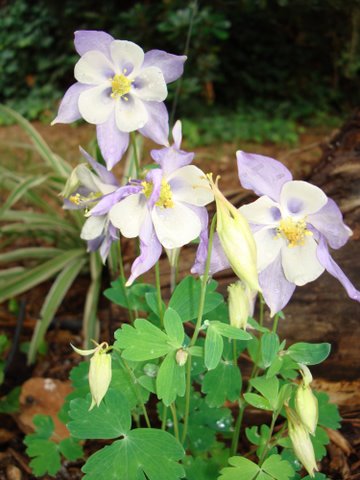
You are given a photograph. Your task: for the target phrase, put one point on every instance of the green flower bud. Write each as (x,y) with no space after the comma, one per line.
(301,442)
(241,304)
(99,372)
(236,239)
(306,404)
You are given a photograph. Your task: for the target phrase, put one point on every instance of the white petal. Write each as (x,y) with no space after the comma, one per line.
(131,114)
(300,263)
(126,55)
(128,215)
(175,226)
(177,134)
(298,198)
(268,247)
(96,105)
(93,68)
(93,227)
(149,85)
(189,184)
(263,211)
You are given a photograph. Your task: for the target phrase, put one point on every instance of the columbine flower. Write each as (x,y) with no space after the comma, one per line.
(168,210)
(241,304)
(306,404)
(293,223)
(301,442)
(95,191)
(120,89)
(99,371)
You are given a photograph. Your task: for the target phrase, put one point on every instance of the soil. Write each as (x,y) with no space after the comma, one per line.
(343,459)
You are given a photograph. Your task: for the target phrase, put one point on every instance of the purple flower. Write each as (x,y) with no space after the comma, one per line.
(168,209)
(293,223)
(119,89)
(95,192)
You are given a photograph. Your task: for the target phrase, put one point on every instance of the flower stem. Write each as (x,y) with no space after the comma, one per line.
(164,417)
(123,281)
(236,435)
(267,445)
(135,154)
(176,424)
(137,392)
(158,292)
(276,321)
(197,328)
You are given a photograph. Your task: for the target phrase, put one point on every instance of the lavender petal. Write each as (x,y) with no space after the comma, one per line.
(112,142)
(157,125)
(68,109)
(86,40)
(172,66)
(104,174)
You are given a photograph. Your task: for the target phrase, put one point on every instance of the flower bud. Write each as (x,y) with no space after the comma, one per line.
(236,239)
(241,304)
(306,404)
(301,442)
(99,372)
(181,357)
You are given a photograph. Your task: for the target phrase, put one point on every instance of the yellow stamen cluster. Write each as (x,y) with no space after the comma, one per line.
(165,198)
(78,199)
(294,231)
(121,85)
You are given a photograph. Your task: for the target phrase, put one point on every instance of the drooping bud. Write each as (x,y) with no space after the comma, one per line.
(181,357)
(236,239)
(301,442)
(99,372)
(306,404)
(241,304)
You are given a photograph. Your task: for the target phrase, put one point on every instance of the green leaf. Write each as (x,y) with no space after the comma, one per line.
(47,456)
(274,468)
(71,449)
(128,383)
(278,468)
(29,253)
(268,387)
(143,452)
(319,440)
(269,347)
(170,380)
(309,353)
(241,469)
(132,297)
(153,303)
(19,191)
(328,412)
(258,401)
(230,332)
(111,419)
(10,403)
(30,278)
(174,327)
(52,301)
(143,341)
(222,383)
(186,297)
(213,348)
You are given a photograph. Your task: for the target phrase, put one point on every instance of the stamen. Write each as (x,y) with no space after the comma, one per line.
(121,85)
(165,198)
(294,231)
(78,199)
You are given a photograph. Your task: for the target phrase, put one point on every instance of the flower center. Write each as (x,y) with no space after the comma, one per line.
(78,199)
(294,231)
(121,85)
(165,198)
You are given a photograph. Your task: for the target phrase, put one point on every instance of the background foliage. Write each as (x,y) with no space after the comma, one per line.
(291,59)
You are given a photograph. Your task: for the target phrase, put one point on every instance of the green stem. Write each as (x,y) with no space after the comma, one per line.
(276,321)
(236,435)
(186,51)
(164,417)
(123,281)
(197,328)
(176,424)
(135,156)
(262,305)
(234,352)
(158,292)
(137,392)
(267,445)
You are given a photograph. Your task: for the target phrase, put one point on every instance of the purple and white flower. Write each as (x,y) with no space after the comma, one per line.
(93,191)
(293,223)
(120,89)
(169,208)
